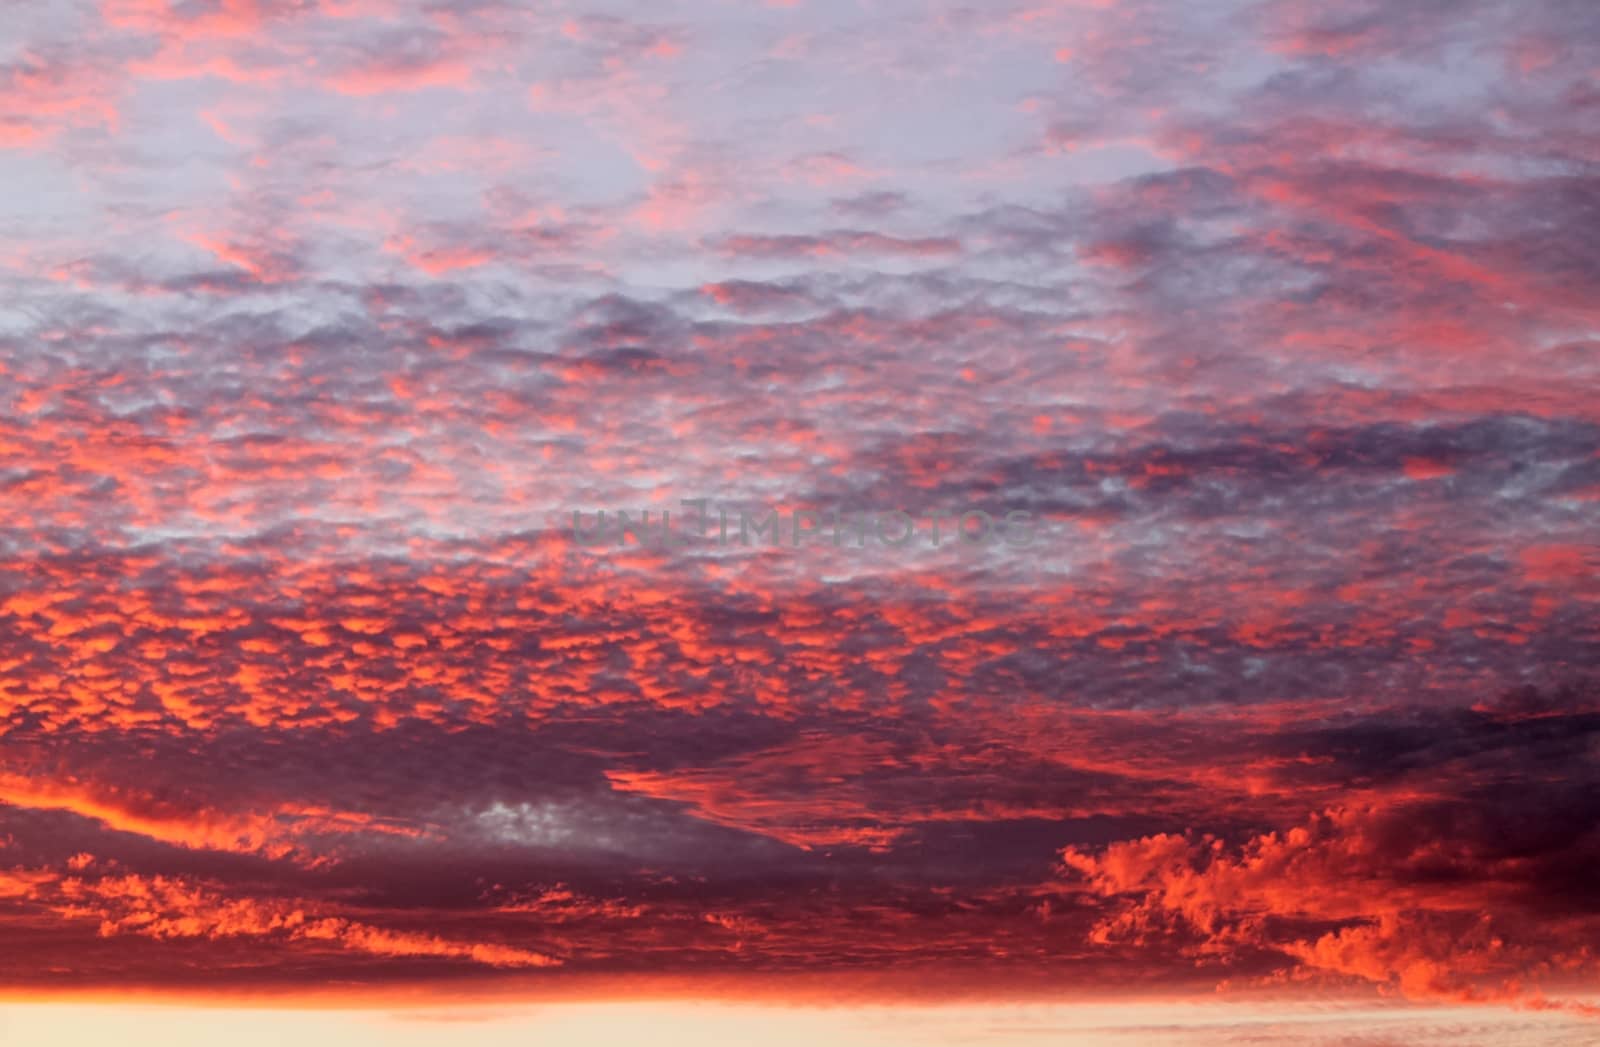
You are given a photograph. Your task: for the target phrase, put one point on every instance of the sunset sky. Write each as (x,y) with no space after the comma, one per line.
(1278,319)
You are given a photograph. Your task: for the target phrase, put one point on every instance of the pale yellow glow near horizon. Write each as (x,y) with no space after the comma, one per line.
(687,1024)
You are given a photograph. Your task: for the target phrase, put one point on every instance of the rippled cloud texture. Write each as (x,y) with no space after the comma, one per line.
(1281,317)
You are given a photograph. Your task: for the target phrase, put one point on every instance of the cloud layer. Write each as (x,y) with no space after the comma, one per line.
(321,318)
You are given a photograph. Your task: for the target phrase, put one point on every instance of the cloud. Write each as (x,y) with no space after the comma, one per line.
(320,320)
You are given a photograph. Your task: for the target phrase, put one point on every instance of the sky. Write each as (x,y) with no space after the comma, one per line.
(1121,564)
